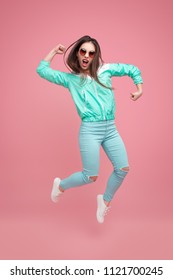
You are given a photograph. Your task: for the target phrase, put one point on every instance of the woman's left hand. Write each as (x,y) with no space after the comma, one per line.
(135,95)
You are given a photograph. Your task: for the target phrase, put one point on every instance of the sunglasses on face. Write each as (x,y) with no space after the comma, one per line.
(83,53)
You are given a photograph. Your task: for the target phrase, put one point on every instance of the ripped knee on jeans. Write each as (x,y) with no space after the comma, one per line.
(93,178)
(126,169)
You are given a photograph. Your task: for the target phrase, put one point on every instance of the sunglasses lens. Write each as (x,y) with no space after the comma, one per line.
(82,52)
(91,54)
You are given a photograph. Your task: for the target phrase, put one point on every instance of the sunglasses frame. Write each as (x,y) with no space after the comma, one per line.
(83,53)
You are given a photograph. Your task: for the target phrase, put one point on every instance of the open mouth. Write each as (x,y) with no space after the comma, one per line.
(85,62)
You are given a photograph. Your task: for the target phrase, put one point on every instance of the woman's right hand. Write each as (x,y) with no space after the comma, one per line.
(59,49)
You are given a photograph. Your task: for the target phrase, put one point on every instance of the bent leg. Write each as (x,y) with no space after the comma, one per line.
(90,154)
(114,182)
(116,152)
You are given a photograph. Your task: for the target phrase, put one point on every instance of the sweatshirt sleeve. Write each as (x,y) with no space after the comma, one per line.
(54,76)
(121,69)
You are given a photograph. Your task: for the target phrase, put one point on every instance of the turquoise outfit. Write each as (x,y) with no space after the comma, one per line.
(95,105)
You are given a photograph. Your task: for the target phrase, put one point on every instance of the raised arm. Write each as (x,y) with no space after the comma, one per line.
(46,72)
(59,49)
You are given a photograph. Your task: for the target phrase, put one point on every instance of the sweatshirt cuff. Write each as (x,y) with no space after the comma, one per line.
(44,62)
(138,80)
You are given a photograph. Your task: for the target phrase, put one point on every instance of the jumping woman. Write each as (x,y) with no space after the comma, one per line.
(89,82)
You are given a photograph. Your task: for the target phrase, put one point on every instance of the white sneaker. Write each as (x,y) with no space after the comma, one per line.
(102,209)
(56,193)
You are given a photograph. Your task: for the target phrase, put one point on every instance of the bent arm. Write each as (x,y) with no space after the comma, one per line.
(59,49)
(121,69)
(46,72)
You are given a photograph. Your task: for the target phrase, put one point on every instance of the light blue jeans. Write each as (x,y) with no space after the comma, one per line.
(92,136)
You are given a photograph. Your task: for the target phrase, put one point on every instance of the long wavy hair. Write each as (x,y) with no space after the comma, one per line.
(73,63)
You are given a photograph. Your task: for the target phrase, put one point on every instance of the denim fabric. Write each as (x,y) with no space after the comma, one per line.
(92,136)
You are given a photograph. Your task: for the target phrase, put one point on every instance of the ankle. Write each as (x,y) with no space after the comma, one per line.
(61,189)
(107,203)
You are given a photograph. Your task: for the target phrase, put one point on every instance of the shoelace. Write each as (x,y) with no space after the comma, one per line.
(106,211)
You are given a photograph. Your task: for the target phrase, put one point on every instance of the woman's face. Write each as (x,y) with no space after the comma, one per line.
(85,56)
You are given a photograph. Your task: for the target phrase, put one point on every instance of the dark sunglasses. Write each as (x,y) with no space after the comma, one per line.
(83,53)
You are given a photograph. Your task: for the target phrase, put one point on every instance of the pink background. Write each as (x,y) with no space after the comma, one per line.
(39,130)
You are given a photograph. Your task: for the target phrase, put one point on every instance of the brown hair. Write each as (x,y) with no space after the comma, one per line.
(73,62)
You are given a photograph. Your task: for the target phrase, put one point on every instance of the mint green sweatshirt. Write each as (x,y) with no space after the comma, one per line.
(93,101)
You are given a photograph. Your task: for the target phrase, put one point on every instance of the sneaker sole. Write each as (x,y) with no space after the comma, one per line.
(100,221)
(56,183)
